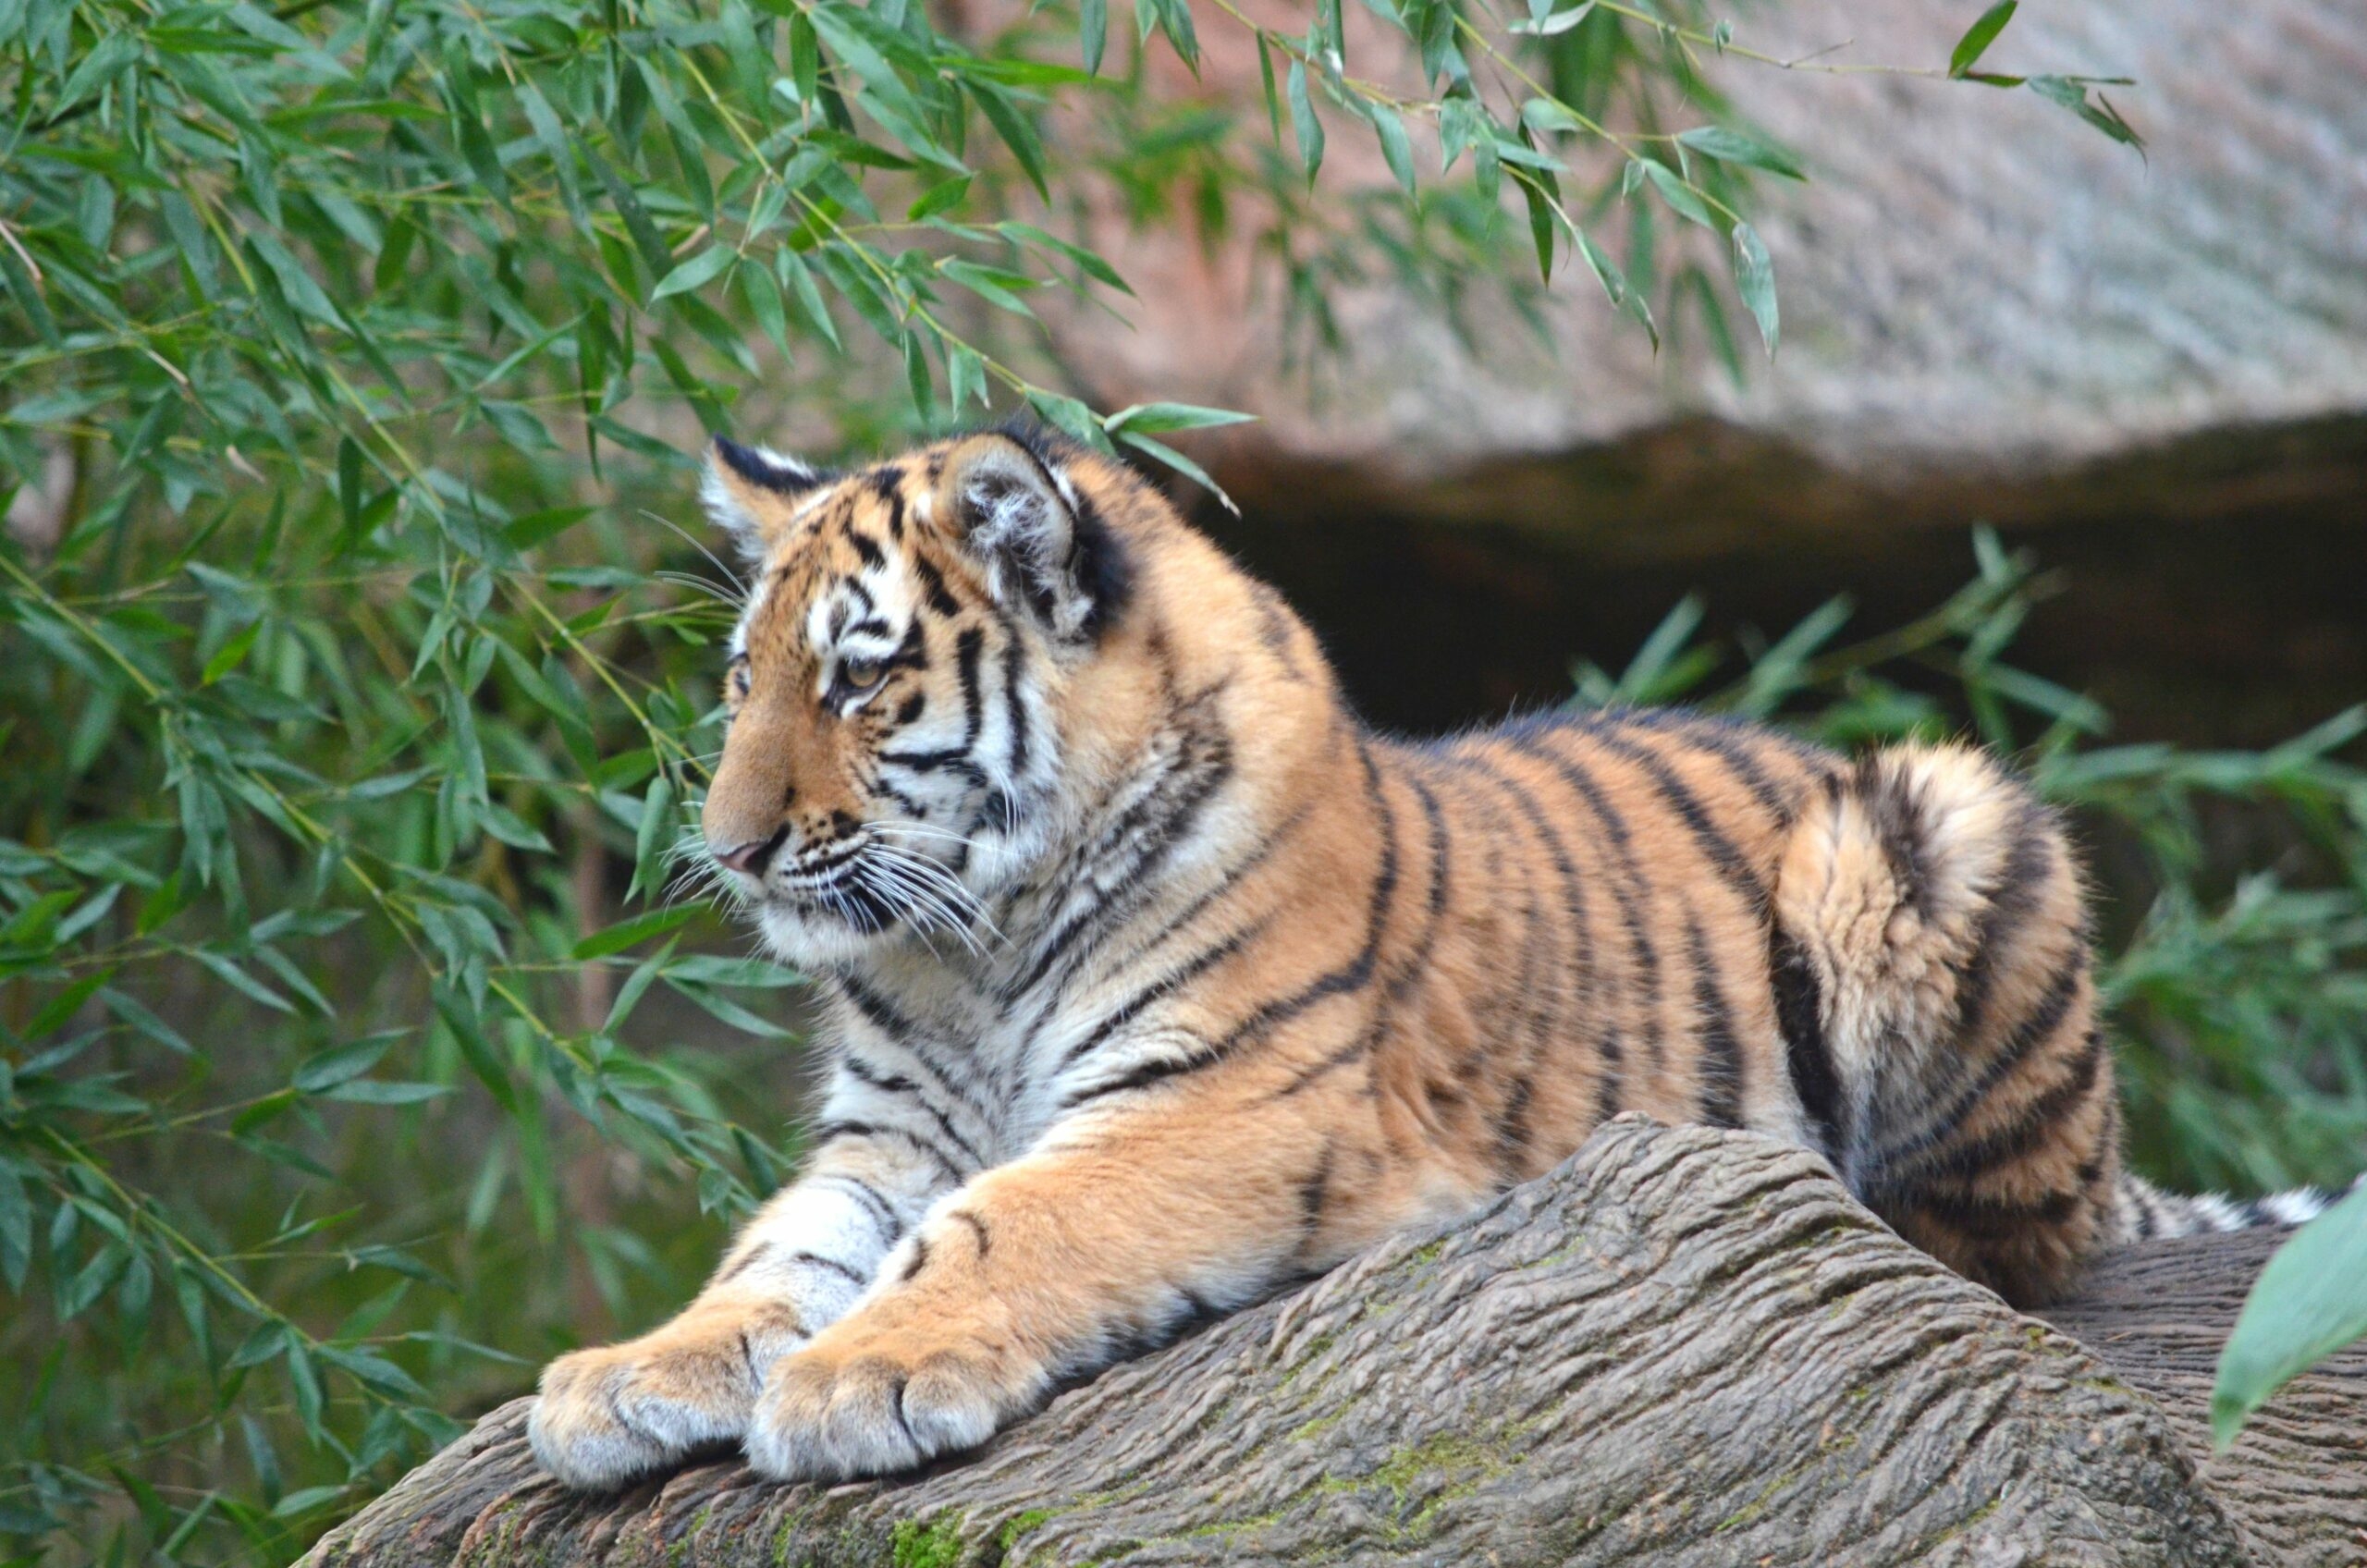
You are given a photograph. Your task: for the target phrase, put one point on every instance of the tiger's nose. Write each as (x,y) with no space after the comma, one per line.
(749,860)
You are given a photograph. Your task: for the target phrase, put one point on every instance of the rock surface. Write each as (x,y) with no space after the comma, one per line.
(1972,279)
(2152,371)
(1680,1347)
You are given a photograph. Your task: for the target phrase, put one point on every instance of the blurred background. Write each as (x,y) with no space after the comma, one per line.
(1875,371)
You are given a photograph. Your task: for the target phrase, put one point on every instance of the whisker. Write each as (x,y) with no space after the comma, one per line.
(925,832)
(692,540)
(944,887)
(919,914)
(708,586)
(888,876)
(932,891)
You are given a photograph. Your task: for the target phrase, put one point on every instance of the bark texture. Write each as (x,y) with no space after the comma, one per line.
(1681,1347)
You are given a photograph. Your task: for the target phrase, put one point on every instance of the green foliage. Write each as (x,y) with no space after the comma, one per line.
(347,1049)
(2306,1305)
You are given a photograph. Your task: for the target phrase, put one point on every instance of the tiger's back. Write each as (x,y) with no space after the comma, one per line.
(1885,961)
(1574,916)
(1155,979)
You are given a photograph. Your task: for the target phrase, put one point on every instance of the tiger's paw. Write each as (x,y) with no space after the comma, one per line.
(856,1402)
(610,1416)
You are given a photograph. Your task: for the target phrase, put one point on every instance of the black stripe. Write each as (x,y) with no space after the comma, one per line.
(834,1128)
(1584,980)
(1800,1013)
(1724,857)
(933,586)
(1964,1161)
(977,1227)
(918,1261)
(742,1264)
(830,1265)
(903,1033)
(2033,1032)
(1410,972)
(1627,890)
(1345,980)
(903,1088)
(967,648)
(1163,816)
(867,548)
(1514,1133)
(1988,1219)
(966,651)
(757,469)
(877,1009)
(1889,798)
(1014,706)
(2008,908)
(1721,741)
(1311,1193)
(1434,901)
(1722,1070)
(912,653)
(870,1201)
(1166,984)
(1526,1014)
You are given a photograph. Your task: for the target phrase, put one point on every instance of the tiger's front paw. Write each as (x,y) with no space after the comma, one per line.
(609,1415)
(857,1403)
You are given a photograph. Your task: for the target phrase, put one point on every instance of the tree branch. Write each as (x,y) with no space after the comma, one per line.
(1682,1346)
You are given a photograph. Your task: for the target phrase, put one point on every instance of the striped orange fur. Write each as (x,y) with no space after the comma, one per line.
(1154,980)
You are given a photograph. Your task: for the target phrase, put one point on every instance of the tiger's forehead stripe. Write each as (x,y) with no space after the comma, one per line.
(861,539)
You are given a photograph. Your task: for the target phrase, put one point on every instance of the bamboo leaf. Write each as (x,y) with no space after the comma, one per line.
(1308,128)
(696,273)
(631,932)
(1979,36)
(2305,1305)
(1731,146)
(1755,277)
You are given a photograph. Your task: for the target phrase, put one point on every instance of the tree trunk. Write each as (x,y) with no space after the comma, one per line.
(1681,1347)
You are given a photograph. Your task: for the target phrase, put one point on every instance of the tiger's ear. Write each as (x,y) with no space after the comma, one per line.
(1043,545)
(751,491)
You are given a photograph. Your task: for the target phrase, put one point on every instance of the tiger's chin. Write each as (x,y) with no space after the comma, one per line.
(821,935)
(911,908)
(816,937)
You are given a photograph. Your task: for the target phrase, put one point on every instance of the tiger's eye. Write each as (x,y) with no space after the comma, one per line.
(739,679)
(861,674)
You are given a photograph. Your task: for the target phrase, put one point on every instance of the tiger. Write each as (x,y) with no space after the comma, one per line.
(1151,980)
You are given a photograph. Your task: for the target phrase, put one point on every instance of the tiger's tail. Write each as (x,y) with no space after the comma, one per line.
(1932,963)
(2142,1210)
(1930,914)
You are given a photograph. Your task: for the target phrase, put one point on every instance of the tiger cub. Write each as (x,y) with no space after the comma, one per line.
(1154,979)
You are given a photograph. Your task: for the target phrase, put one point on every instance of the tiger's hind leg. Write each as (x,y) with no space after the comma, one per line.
(1930,949)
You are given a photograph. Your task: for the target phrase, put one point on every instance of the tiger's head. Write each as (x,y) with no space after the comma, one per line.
(925,645)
